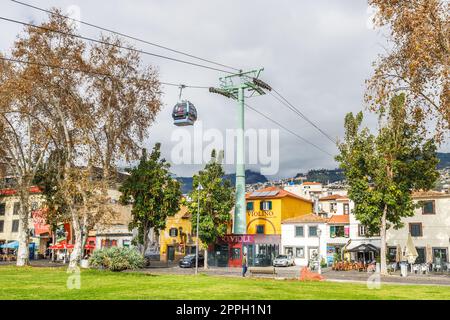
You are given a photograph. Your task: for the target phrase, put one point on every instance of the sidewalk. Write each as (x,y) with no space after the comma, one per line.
(329,275)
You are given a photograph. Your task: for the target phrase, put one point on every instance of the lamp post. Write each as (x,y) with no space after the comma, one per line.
(199,188)
(319,270)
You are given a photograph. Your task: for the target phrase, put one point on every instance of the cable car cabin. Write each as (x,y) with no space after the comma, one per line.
(184,114)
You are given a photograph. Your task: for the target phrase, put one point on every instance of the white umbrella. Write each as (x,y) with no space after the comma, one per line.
(398,254)
(410,252)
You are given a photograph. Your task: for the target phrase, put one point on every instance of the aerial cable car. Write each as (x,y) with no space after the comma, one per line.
(184,112)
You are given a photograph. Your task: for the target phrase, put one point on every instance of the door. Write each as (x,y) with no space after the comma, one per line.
(170,253)
(235,255)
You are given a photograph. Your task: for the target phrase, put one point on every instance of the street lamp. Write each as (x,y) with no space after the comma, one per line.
(319,270)
(199,188)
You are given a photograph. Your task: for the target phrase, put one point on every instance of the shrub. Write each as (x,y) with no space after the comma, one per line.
(117,259)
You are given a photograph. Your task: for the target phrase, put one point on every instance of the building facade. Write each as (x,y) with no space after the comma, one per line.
(429,229)
(177,239)
(265,211)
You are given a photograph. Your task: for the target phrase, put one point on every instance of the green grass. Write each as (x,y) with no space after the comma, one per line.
(50,283)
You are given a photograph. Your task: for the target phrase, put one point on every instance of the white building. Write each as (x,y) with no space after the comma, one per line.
(300,237)
(429,228)
(306,190)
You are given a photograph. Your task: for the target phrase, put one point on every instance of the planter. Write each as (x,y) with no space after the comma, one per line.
(84,263)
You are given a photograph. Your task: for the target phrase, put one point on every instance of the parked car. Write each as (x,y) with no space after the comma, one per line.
(189,261)
(262,260)
(283,261)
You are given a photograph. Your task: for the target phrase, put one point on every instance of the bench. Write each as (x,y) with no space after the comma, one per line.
(262,270)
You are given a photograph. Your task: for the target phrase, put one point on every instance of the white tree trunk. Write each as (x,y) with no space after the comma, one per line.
(23,252)
(383,243)
(75,256)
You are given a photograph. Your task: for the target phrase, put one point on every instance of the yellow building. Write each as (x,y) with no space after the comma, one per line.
(178,239)
(267,208)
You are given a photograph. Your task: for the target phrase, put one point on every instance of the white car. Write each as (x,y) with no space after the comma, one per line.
(283,261)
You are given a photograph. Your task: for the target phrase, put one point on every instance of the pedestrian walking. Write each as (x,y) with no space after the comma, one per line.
(244,264)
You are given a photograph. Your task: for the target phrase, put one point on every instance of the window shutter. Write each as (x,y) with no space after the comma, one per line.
(270,205)
(261,205)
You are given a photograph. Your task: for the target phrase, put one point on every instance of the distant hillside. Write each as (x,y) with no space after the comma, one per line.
(444,160)
(323,175)
(333,175)
(250,177)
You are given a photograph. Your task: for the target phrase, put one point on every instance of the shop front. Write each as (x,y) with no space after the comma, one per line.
(261,250)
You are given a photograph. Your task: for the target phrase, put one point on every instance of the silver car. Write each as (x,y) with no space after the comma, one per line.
(283,261)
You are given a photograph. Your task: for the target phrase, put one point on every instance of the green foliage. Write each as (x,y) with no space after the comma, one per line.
(216,201)
(117,259)
(153,193)
(382,171)
(47,178)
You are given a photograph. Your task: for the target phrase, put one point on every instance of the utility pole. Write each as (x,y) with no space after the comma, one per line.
(199,188)
(235,86)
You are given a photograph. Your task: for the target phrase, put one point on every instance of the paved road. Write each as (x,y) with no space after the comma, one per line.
(329,275)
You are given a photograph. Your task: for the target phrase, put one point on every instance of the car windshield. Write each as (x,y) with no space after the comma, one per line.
(282,257)
(189,256)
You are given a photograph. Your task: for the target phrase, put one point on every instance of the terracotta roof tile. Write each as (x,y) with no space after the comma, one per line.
(332,197)
(306,218)
(310,183)
(339,219)
(281,194)
(429,194)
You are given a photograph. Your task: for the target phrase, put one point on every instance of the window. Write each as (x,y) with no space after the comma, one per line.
(260,229)
(299,231)
(126,243)
(265,205)
(249,206)
(312,231)
(337,231)
(299,252)
(16,208)
(2,209)
(333,207)
(15,226)
(289,251)
(415,229)
(362,230)
(173,232)
(421,255)
(428,207)
(108,243)
(2,225)
(440,255)
(392,254)
(346,208)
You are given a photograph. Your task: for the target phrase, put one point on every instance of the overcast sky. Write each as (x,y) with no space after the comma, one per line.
(316,53)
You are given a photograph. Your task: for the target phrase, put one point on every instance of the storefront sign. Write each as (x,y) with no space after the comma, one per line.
(263,213)
(238,238)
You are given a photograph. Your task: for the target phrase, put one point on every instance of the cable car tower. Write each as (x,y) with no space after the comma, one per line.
(235,86)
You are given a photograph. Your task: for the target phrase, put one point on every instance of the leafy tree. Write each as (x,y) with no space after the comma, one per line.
(216,202)
(383,170)
(417,59)
(153,193)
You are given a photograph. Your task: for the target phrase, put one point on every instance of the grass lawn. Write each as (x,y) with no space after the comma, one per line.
(50,283)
